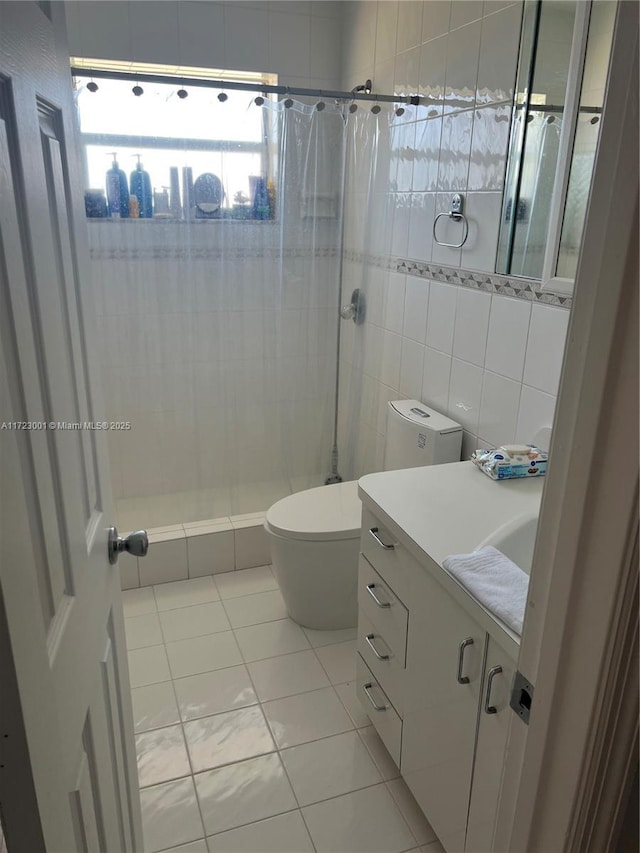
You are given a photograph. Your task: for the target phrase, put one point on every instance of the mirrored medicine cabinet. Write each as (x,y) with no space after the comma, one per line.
(560,90)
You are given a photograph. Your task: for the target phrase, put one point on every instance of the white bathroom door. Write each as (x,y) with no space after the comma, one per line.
(67,771)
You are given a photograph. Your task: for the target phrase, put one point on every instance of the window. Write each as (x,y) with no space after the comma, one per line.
(225,137)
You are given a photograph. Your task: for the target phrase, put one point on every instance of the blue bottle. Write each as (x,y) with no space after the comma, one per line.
(117,191)
(141,188)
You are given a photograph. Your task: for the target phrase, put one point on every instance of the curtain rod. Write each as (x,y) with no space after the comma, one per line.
(261,88)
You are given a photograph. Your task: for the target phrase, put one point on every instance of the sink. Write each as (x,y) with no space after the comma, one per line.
(516,539)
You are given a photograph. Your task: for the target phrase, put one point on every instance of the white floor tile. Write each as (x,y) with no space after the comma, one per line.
(154,706)
(170,815)
(306,717)
(228,737)
(195,621)
(349,698)
(328,638)
(213,692)
(185,593)
(162,756)
(143,631)
(241,793)
(255,609)
(245,582)
(192,847)
(287,675)
(271,639)
(285,833)
(203,654)
(434,847)
(339,661)
(411,812)
(329,767)
(148,666)
(379,753)
(366,821)
(136,602)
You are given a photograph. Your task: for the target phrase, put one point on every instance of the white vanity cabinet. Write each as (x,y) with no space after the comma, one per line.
(424,667)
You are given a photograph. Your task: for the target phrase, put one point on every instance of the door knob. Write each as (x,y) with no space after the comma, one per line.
(136,543)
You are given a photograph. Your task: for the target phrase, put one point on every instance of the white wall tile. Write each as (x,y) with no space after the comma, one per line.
(386,30)
(545,347)
(426,154)
(536,412)
(455,150)
(252,547)
(489,146)
(508,332)
(435,19)
(464,394)
(210,553)
(441,316)
(325,47)
(483,213)
(290,43)
(394,303)
(411,368)
(463,49)
(435,379)
(166,560)
(499,44)
(420,242)
(463,12)
(498,409)
(415,309)
(470,443)
(471,326)
(246,37)
(390,366)
(401,219)
(409,24)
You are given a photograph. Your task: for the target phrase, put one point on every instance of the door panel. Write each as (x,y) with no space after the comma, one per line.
(62,597)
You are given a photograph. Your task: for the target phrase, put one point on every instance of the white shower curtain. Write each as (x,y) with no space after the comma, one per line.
(218,338)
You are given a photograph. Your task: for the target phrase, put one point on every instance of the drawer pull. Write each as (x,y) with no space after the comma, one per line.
(463,679)
(367,690)
(371,590)
(370,638)
(488,707)
(374,532)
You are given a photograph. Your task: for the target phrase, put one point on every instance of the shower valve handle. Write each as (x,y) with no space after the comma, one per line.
(136,544)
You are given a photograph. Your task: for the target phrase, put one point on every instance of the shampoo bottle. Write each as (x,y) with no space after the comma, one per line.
(117,191)
(141,188)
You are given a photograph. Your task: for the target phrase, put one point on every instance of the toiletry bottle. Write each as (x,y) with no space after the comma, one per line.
(117,191)
(134,207)
(141,188)
(174,192)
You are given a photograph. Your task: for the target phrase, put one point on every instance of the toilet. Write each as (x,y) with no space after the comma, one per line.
(314,535)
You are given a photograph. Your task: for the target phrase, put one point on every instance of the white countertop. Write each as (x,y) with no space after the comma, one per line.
(448,509)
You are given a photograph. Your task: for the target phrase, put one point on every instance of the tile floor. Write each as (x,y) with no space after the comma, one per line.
(250,737)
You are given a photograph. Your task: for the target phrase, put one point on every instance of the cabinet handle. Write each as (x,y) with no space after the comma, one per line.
(463,679)
(370,638)
(370,589)
(367,690)
(488,708)
(374,532)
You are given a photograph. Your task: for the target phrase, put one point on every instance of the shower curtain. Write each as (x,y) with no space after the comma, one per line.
(218,337)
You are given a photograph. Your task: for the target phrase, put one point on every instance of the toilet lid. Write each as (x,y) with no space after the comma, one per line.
(327,512)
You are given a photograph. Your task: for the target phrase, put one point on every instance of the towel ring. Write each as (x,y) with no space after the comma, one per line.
(456,213)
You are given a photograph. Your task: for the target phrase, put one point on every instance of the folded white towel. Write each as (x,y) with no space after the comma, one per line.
(495,581)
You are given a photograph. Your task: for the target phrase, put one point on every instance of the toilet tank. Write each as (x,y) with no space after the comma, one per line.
(418,435)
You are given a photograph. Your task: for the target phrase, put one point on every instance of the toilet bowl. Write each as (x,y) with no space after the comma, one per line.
(315,539)
(314,535)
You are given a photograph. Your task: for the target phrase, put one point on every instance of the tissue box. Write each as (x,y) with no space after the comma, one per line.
(510,461)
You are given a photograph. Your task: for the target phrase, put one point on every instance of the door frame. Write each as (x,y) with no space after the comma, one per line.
(567,775)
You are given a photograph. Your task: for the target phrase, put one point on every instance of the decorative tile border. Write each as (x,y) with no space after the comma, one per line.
(519,288)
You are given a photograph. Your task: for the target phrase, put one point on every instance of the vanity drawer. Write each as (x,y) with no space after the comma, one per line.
(388,557)
(381,658)
(379,710)
(383,608)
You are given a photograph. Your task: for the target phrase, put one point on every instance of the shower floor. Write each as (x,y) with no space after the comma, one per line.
(201,504)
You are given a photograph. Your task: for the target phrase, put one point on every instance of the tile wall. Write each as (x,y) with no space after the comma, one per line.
(490,361)
(299,41)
